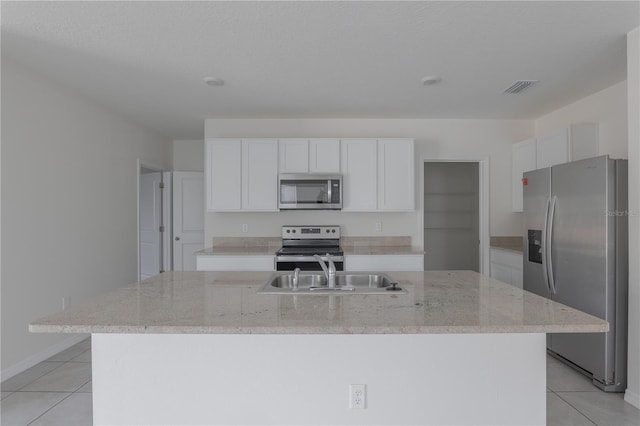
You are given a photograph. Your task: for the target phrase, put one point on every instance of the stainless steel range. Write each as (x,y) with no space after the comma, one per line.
(301,243)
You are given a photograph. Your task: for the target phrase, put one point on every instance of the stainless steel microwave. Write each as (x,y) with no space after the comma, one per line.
(310,192)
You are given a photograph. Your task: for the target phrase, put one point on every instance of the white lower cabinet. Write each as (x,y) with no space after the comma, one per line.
(506,266)
(386,262)
(235,263)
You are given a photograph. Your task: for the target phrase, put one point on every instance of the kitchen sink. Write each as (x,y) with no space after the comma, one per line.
(346,283)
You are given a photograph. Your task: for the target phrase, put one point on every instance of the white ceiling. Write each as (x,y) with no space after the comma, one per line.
(322,59)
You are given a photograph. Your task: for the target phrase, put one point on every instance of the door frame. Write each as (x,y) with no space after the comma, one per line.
(141,164)
(483,202)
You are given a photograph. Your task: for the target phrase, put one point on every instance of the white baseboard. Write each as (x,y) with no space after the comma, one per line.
(632,398)
(36,358)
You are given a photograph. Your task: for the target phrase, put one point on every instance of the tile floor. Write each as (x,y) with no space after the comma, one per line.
(58,392)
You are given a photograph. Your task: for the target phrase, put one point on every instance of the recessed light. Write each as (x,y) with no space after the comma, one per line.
(214,81)
(430,80)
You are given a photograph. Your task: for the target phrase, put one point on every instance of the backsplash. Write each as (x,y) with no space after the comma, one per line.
(244,242)
(349,243)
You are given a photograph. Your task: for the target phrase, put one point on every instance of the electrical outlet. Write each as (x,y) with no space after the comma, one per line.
(357,396)
(378,226)
(245,228)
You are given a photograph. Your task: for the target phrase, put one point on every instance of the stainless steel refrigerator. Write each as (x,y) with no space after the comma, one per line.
(576,253)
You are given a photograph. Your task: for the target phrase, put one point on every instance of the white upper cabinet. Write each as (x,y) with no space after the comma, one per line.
(395,175)
(553,149)
(309,155)
(576,142)
(523,159)
(377,174)
(324,155)
(359,165)
(223,174)
(294,155)
(260,174)
(242,175)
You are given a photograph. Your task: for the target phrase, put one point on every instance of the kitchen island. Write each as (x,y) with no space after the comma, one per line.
(206,348)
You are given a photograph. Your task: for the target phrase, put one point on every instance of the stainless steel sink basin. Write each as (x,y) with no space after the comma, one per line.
(346,283)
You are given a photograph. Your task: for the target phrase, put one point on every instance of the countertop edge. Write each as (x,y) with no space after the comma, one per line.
(106,329)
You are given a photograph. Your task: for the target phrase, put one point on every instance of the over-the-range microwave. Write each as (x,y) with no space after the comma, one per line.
(309,191)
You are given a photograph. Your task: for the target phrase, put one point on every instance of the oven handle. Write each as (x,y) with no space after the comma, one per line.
(310,259)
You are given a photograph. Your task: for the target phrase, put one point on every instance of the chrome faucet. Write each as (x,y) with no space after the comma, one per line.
(330,273)
(296,278)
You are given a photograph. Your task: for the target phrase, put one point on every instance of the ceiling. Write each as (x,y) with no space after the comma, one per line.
(340,59)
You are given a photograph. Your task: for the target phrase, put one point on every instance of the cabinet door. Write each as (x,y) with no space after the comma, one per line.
(223,174)
(395,175)
(501,273)
(324,155)
(523,159)
(359,164)
(553,149)
(294,155)
(584,141)
(260,174)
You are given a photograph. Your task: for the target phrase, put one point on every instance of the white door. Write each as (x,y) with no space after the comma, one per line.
(150,217)
(188,219)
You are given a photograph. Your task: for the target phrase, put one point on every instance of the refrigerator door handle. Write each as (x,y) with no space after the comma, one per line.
(543,246)
(550,244)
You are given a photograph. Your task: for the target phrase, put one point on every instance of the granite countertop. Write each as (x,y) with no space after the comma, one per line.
(511,244)
(270,251)
(228,303)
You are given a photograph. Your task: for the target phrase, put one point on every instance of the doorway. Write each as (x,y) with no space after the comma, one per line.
(151,221)
(452,215)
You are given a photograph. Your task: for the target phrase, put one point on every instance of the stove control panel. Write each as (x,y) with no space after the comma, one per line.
(311,232)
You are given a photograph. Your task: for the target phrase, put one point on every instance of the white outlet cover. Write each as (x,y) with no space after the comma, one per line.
(357,396)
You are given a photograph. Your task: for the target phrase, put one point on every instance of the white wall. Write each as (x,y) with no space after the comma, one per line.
(69,203)
(435,138)
(607,108)
(633,93)
(188,155)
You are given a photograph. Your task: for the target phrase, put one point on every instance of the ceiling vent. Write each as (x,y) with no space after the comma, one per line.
(519,86)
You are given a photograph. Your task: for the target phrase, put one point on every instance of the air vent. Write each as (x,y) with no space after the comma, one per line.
(519,86)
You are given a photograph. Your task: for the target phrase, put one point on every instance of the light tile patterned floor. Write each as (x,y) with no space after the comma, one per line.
(58,392)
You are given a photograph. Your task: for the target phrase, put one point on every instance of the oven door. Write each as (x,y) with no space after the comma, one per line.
(305,263)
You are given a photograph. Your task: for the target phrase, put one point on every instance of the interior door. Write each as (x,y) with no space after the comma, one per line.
(188,219)
(451,216)
(150,221)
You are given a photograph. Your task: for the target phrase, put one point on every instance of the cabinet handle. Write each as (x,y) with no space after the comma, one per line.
(177,238)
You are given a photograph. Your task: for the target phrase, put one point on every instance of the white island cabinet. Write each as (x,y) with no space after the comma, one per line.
(206,348)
